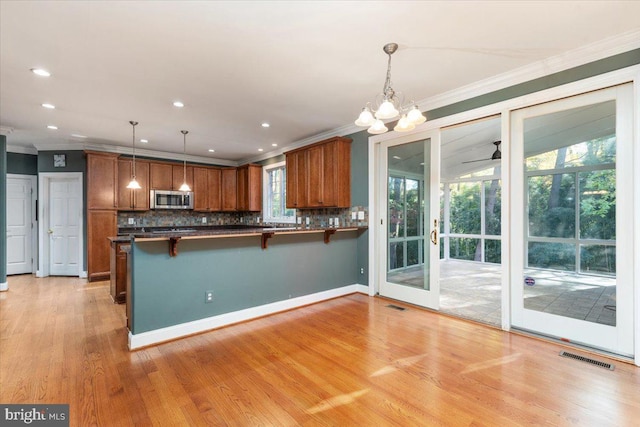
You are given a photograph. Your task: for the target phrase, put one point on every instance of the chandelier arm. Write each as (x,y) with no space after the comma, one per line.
(387,82)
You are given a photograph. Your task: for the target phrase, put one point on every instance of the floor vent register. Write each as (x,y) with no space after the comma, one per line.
(587,360)
(396,307)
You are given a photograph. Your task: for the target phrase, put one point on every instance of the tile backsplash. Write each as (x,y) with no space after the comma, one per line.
(356,216)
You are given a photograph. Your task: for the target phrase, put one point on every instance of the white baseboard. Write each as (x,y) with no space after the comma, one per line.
(4,287)
(197,326)
(83,275)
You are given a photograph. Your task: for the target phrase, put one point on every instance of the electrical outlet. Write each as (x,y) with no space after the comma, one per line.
(208,296)
(204,220)
(299,219)
(308,221)
(132,221)
(331,221)
(354,215)
(361,270)
(361,215)
(336,222)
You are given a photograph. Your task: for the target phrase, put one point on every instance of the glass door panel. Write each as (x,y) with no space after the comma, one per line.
(569,157)
(406,273)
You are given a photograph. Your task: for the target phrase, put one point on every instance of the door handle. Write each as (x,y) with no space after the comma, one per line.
(434,232)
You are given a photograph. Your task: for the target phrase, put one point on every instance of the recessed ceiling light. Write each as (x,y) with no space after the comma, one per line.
(52,127)
(178,104)
(211,150)
(40,72)
(77,135)
(49,106)
(260,149)
(265,125)
(274,145)
(144,141)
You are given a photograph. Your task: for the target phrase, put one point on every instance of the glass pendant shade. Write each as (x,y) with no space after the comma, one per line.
(133,184)
(185,187)
(415,116)
(366,118)
(386,111)
(377,128)
(404,125)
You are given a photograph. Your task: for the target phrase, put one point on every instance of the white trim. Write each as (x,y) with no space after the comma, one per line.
(4,286)
(505,219)
(43,224)
(202,325)
(34,229)
(636,214)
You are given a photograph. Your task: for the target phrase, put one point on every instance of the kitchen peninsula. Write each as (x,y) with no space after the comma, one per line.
(185,281)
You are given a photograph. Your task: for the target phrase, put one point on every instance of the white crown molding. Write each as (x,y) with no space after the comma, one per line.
(129,151)
(21,149)
(593,52)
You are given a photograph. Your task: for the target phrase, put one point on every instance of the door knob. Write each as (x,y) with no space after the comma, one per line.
(434,232)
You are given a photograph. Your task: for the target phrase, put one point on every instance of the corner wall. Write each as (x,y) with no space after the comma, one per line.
(3,217)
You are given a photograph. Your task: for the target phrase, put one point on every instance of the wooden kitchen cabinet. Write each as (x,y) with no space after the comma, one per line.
(179,173)
(206,189)
(249,188)
(101,224)
(128,199)
(118,284)
(102,177)
(228,186)
(319,175)
(160,176)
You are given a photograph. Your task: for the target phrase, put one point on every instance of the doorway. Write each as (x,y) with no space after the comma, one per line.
(60,230)
(408,212)
(572,212)
(20,229)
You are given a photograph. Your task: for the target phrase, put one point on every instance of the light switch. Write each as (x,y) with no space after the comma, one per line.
(361,215)
(354,215)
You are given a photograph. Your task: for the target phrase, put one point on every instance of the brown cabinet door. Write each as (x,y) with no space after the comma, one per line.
(179,174)
(250,188)
(329,177)
(315,170)
(200,189)
(102,176)
(160,176)
(242,190)
(128,199)
(229,190)
(296,180)
(213,185)
(101,224)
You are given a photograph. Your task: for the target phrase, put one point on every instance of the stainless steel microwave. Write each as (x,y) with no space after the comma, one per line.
(166,199)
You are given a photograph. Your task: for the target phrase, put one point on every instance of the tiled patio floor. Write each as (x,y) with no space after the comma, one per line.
(473,290)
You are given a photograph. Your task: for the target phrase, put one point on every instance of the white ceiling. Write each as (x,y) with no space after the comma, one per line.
(306,67)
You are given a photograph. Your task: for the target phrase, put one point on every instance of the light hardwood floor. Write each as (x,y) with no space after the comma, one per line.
(350,361)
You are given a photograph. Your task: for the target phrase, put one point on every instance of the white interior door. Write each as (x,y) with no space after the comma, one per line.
(572,219)
(65,214)
(19,225)
(409,212)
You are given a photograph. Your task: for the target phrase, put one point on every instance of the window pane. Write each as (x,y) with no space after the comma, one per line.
(598,259)
(396,207)
(552,205)
(465,208)
(493,251)
(462,248)
(413,257)
(396,255)
(555,256)
(492,199)
(413,207)
(598,205)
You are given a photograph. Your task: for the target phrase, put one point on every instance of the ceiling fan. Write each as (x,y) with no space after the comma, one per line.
(497,155)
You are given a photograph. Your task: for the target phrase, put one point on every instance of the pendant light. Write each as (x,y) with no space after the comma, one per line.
(133,184)
(389,105)
(184,186)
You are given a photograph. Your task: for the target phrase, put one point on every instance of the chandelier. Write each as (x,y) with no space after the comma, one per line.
(388,105)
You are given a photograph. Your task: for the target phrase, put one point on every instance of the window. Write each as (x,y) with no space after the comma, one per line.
(274,184)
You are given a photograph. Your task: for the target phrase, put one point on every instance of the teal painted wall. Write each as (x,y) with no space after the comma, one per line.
(171,290)
(3,209)
(22,164)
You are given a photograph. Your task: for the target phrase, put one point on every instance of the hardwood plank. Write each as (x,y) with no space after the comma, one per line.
(347,361)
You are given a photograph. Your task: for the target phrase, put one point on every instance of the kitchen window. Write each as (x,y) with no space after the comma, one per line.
(274,184)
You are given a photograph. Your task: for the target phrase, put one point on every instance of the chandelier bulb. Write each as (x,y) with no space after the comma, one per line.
(366,118)
(404,125)
(377,128)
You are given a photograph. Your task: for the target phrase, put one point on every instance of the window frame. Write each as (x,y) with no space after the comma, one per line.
(266,195)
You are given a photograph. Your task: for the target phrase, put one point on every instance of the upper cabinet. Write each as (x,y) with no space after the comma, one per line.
(229,191)
(319,175)
(249,188)
(128,199)
(102,177)
(167,176)
(206,189)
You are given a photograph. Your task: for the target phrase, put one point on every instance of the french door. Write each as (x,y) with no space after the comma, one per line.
(572,218)
(408,213)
